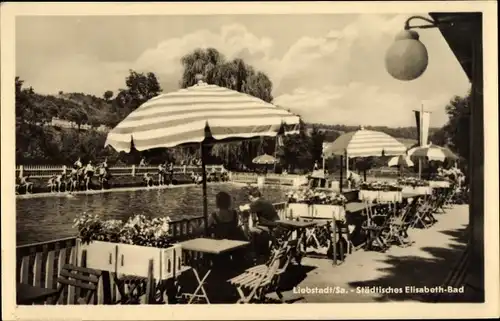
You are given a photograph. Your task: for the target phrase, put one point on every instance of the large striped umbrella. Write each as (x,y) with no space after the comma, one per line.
(401,160)
(432,153)
(202,114)
(364,143)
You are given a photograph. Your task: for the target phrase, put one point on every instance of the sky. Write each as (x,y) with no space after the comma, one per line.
(327,68)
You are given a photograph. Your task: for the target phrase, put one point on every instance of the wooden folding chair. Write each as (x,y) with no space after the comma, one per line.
(318,237)
(83,279)
(131,288)
(376,239)
(424,206)
(398,226)
(253,284)
(440,202)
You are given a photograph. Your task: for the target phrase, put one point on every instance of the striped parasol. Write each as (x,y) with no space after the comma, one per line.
(202,114)
(401,160)
(264,159)
(198,113)
(432,153)
(365,143)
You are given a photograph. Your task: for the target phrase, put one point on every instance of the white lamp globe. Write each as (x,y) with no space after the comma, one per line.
(407,58)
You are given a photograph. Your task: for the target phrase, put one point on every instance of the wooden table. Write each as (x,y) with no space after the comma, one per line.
(211,247)
(28,294)
(412,195)
(356,207)
(295,225)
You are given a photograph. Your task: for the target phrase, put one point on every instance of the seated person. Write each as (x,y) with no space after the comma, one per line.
(24,183)
(354,179)
(223,223)
(148,180)
(266,216)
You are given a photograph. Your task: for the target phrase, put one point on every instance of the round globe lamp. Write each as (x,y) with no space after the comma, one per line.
(407,58)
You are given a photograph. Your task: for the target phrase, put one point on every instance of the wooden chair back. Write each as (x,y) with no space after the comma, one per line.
(81,279)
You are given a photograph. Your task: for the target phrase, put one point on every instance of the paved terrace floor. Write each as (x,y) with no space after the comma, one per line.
(426,263)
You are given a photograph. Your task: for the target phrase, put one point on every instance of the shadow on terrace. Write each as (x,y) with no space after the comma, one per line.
(418,271)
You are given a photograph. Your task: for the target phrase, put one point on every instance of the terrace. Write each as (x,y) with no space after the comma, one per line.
(425,264)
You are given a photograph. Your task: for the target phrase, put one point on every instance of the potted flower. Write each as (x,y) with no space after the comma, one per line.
(127,247)
(316,204)
(443,178)
(380,192)
(299,203)
(414,185)
(328,205)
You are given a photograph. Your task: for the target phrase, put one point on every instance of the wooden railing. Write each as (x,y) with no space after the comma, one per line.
(272,179)
(249,178)
(46,171)
(39,264)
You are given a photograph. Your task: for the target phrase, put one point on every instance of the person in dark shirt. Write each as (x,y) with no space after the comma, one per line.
(265,215)
(262,208)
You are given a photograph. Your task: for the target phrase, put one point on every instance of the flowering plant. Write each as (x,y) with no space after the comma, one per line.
(451,174)
(310,197)
(138,230)
(414,182)
(381,186)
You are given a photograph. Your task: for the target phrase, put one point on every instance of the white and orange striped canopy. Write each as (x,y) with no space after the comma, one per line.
(193,114)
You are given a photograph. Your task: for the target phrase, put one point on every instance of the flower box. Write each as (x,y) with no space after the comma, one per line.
(380,196)
(317,211)
(127,247)
(295,210)
(133,259)
(328,212)
(439,184)
(366,195)
(390,196)
(421,190)
(319,196)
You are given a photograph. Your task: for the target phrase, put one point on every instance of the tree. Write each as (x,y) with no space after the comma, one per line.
(108,94)
(296,151)
(317,139)
(77,116)
(27,110)
(234,74)
(457,128)
(439,137)
(201,61)
(140,88)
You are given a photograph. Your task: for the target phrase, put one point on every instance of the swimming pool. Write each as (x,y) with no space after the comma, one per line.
(47,218)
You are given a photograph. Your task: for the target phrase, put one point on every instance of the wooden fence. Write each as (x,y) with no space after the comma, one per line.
(272,179)
(47,171)
(39,264)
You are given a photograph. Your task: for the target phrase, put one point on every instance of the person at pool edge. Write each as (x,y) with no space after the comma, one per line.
(266,215)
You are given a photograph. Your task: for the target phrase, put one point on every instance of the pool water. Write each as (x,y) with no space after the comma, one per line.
(48,218)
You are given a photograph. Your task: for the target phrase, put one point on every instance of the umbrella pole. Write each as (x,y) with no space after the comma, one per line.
(341,170)
(204,186)
(419,168)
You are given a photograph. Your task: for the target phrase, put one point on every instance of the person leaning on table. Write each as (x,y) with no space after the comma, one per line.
(266,215)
